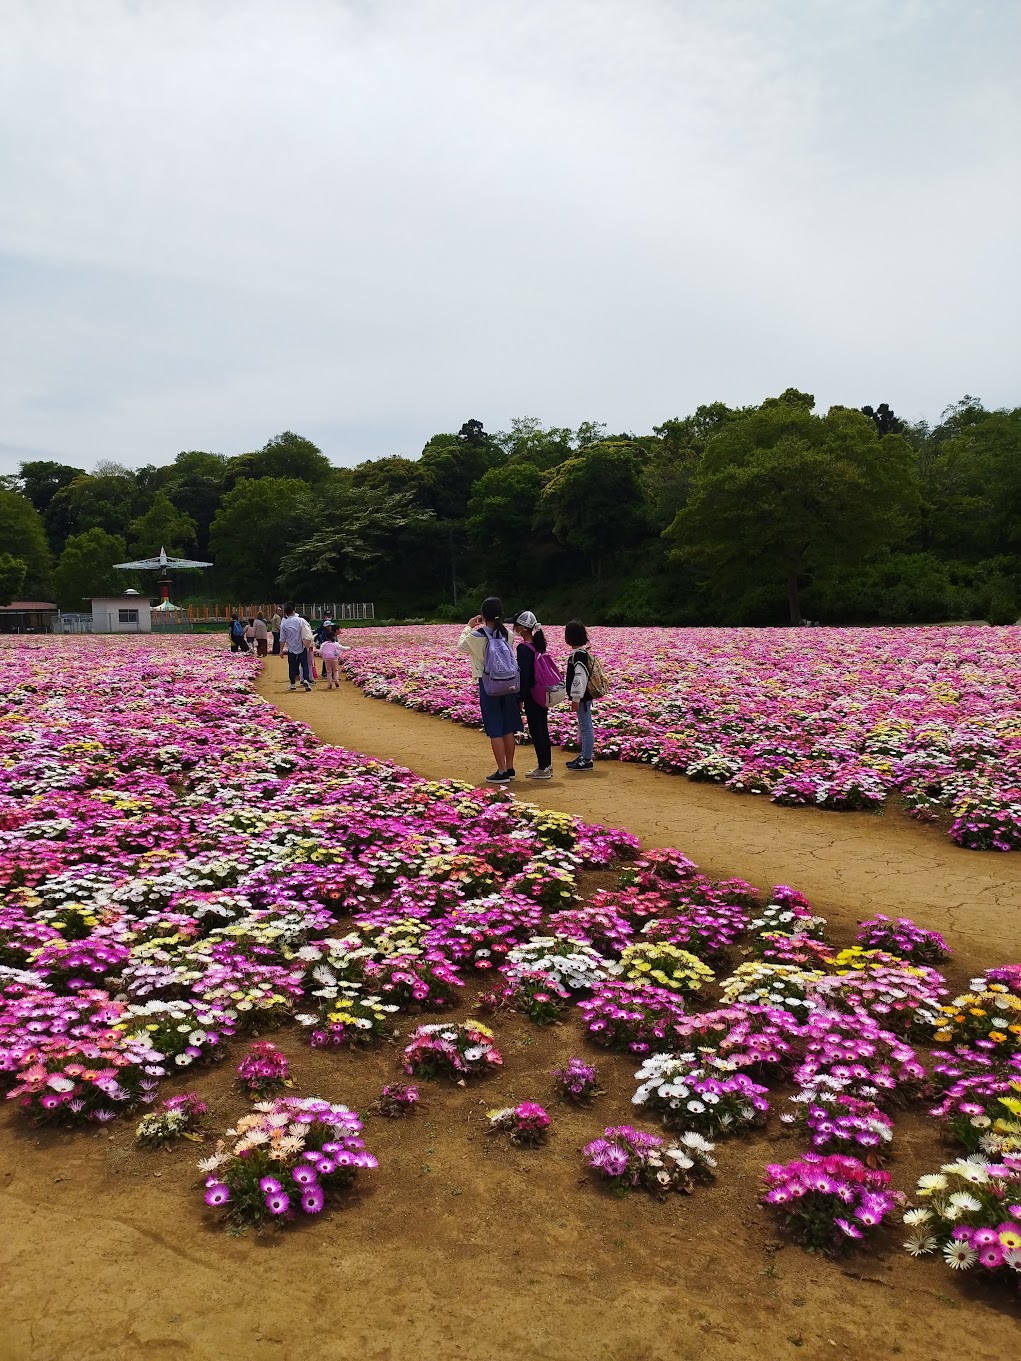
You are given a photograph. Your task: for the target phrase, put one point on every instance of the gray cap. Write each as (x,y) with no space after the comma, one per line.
(526,620)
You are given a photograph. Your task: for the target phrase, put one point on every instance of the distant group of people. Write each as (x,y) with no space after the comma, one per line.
(292,634)
(524,678)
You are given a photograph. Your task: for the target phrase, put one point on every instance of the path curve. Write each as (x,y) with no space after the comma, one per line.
(849,864)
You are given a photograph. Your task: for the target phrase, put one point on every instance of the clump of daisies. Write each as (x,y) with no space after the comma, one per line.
(263,1070)
(629,1159)
(577,1082)
(457,1051)
(178,1117)
(526,1123)
(829,1202)
(665,966)
(900,936)
(288,1157)
(700,1092)
(396,1100)
(970,1211)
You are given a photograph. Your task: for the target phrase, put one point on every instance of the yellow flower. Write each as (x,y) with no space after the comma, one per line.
(997,1036)
(1010,1238)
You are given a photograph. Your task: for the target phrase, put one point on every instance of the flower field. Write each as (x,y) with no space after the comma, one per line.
(836,718)
(184,870)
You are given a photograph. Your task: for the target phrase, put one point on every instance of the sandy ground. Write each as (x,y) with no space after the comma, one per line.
(462,1249)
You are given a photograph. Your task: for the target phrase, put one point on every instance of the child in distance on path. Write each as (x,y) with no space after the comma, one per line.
(533,643)
(579,668)
(330,650)
(501,716)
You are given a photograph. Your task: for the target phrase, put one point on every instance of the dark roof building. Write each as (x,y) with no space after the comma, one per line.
(28,616)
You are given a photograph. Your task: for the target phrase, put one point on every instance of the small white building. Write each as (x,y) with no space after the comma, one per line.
(127,613)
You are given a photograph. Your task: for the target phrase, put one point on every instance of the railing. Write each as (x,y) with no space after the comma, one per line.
(191,614)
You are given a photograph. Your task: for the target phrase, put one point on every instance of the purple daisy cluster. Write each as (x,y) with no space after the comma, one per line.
(933,717)
(526,1124)
(628,1159)
(176,1117)
(287,1157)
(398,1099)
(900,936)
(456,1051)
(577,1082)
(263,1069)
(827,1201)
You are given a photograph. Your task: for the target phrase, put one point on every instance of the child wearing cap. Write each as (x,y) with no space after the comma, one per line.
(532,643)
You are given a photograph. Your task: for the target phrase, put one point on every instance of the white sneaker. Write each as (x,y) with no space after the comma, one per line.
(307,686)
(540,773)
(292,687)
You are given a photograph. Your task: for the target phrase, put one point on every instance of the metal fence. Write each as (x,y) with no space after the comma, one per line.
(201,614)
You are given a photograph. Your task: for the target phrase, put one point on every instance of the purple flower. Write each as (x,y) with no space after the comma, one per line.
(217,1194)
(278,1203)
(304,1174)
(312,1200)
(269,1185)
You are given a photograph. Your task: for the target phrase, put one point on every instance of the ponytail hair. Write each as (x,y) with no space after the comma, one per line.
(492,615)
(539,640)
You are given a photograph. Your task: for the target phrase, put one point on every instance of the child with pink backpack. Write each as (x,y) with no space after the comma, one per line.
(541,687)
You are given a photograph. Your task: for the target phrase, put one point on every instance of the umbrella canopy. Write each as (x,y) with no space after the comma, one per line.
(158,564)
(166,607)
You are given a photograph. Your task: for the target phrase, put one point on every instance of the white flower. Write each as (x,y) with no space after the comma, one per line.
(932,1181)
(963,1201)
(696,1107)
(476,1051)
(214,1161)
(916,1217)
(959,1255)
(920,1243)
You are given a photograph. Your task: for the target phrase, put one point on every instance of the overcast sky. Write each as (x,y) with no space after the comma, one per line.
(369,220)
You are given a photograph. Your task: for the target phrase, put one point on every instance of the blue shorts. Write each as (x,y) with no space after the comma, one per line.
(500,713)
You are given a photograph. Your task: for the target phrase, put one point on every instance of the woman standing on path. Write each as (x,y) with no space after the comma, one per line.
(533,644)
(579,669)
(485,640)
(274,628)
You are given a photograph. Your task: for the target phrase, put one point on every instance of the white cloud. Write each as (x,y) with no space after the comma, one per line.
(369,221)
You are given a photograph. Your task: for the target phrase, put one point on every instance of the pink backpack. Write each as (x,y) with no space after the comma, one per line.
(548,689)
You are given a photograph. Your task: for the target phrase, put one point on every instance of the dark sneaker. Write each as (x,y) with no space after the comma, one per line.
(573,765)
(499,777)
(579,765)
(512,772)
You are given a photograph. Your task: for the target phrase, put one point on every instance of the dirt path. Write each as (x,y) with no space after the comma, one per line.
(849,864)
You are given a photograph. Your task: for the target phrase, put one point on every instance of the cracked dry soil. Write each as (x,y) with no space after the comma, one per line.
(462,1249)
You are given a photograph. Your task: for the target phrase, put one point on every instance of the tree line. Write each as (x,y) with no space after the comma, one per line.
(732,515)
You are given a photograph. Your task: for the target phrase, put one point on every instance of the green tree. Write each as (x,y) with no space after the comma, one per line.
(391,474)
(594,501)
(162,526)
(781,493)
(284,456)
(501,513)
(13,572)
(23,536)
(105,500)
(352,530)
(41,479)
(85,568)
(449,468)
(258,521)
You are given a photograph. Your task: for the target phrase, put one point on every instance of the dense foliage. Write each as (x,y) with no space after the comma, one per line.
(730,515)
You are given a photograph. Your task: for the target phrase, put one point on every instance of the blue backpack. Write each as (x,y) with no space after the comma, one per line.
(500,674)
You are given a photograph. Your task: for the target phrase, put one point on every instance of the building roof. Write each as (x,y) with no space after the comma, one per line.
(29,607)
(133,596)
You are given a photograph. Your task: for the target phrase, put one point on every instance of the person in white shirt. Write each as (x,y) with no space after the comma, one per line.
(292,637)
(501,716)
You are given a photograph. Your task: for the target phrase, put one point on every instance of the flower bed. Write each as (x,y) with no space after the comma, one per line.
(837,718)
